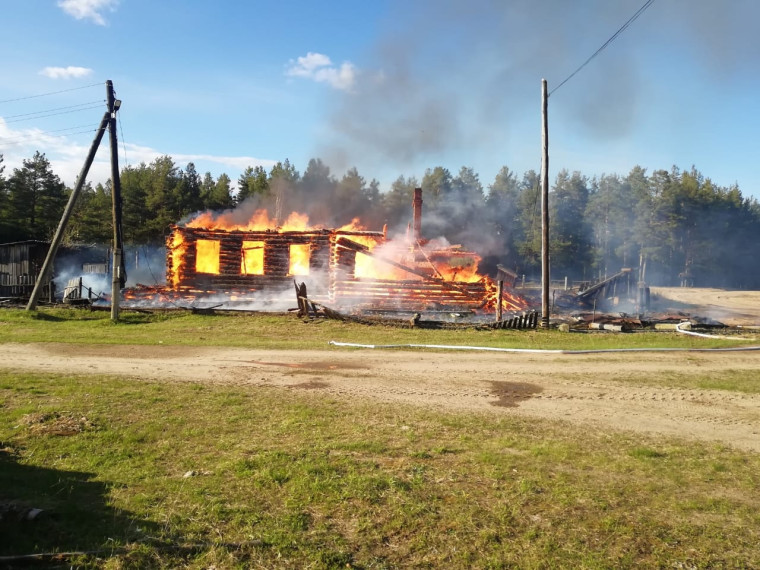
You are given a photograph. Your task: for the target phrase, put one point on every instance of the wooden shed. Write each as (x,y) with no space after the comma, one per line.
(20,264)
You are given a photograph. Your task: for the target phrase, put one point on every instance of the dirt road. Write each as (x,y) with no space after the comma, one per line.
(734,308)
(601,392)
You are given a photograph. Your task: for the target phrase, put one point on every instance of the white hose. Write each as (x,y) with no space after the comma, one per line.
(679,329)
(446,347)
(541,350)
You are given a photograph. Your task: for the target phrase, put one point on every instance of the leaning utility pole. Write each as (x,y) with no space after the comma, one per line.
(118,271)
(544,207)
(48,263)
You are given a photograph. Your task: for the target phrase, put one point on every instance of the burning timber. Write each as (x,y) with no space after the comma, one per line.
(349,268)
(338,268)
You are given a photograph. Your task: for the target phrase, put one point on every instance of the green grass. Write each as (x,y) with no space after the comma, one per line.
(729,380)
(264,330)
(296,479)
(292,479)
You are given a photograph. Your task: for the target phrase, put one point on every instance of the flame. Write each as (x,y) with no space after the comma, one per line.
(462,268)
(427,261)
(177,248)
(509,301)
(300,254)
(368,267)
(257,222)
(252,262)
(207,256)
(296,222)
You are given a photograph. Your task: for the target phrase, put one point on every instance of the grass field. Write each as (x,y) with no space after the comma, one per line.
(267,330)
(151,474)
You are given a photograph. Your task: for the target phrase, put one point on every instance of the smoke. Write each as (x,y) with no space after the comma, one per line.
(454,81)
(272,300)
(93,285)
(451,78)
(145,265)
(443,78)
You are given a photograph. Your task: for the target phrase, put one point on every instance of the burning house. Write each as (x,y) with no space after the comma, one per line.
(349,267)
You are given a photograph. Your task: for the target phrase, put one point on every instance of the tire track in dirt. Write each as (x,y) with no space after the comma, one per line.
(593,391)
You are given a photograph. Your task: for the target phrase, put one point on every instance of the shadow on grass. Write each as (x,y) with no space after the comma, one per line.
(38,316)
(44,510)
(64,315)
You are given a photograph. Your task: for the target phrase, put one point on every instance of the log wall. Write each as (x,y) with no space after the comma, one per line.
(276,259)
(331,271)
(407,294)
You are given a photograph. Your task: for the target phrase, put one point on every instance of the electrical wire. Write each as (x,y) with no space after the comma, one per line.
(150,269)
(50,93)
(633,18)
(54,114)
(35,135)
(51,110)
(536,207)
(31,138)
(123,144)
(121,130)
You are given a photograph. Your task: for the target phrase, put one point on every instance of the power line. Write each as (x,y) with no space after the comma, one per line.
(31,136)
(638,13)
(54,114)
(51,110)
(123,144)
(50,93)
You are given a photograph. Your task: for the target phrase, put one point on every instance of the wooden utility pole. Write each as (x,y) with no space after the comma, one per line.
(119,275)
(48,263)
(544,207)
(499,297)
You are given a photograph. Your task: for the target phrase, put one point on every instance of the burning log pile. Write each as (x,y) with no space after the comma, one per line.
(418,283)
(349,267)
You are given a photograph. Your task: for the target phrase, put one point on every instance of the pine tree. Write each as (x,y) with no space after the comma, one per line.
(37,198)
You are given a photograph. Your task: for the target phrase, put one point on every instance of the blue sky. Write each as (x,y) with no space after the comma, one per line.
(391,87)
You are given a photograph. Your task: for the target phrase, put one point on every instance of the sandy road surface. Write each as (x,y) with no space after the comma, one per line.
(597,391)
(734,308)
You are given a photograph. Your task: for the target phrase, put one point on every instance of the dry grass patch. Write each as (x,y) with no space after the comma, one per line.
(55,423)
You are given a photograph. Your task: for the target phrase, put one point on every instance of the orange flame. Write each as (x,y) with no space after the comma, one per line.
(207,256)
(437,260)
(177,248)
(300,254)
(509,301)
(252,262)
(462,268)
(354,225)
(257,222)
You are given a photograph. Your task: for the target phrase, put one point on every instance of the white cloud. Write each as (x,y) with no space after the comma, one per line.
(319,67)
(67,155)
(306,66)
(88,9)
(65,72)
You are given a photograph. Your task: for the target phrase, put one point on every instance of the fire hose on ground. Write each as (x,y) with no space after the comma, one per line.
(560,350)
